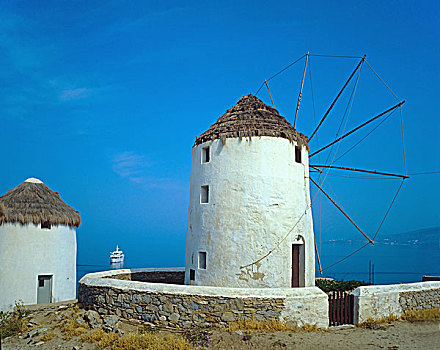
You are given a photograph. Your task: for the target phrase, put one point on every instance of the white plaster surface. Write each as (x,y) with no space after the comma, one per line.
(28,251)
(34,180)
(97,279)
(257,193)
(382,301)
(309,308)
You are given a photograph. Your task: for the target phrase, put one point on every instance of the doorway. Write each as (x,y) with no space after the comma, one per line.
(298,267)
(295,265)
(44,289)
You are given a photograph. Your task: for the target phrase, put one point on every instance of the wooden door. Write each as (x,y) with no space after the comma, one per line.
(295,265)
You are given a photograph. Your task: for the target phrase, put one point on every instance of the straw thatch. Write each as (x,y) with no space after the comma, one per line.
(35,203)
(251,117)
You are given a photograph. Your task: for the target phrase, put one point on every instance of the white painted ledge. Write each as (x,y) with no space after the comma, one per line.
(100,279)
(364,291)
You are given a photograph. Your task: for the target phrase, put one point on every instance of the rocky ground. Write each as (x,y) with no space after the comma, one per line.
(50,322)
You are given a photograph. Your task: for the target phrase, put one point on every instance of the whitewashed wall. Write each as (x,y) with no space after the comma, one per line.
(28,251)
(257,192)
(384,300)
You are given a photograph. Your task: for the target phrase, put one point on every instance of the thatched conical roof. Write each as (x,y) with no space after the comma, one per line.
(34,202)
(251,117)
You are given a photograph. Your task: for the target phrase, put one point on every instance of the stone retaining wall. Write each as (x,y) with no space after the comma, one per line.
(381,301)
(180,306)
(426,299)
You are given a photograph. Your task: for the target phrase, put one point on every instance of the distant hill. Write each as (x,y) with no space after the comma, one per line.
(422,237)
(425,236)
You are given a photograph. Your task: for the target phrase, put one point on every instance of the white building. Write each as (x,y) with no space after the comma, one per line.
(249,218)
(37,246)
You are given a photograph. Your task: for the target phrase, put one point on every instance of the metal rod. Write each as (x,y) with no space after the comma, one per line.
(360,170)
(267,85)
(346,257)
(337,97)
(318,170)
(357,128)
(317,254)
(300,91)
(342,211)
(369,272)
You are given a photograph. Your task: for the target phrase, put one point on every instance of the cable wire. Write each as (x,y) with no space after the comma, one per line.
(425,173)
(383,82)
(282,70)
(389,208)
(357,143)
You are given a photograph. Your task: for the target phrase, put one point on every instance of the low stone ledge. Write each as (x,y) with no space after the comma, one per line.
(381,301)
(182,305)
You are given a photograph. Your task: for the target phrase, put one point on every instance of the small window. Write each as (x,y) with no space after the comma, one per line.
(40,282)
(202,260)
(46,224)
(204,194)
(297,154)
(205,155)
(192,275)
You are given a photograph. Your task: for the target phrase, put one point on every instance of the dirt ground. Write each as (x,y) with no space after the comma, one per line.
(395,335)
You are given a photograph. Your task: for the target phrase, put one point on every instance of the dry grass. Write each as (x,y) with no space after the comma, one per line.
(310,328)
(14,322)
(371,323)
(269,326)
(73,329)
(48,336)
(100,338)
(135,341)
(411,316)
(422,315)
(258,325)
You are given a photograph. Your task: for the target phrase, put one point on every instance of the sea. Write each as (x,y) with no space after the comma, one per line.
(378,264)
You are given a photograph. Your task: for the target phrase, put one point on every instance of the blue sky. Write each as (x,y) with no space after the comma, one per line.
(103,100)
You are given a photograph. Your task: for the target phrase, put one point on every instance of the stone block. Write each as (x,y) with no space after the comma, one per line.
(236,304)
(186,324)
(174,317)
(167,307)
(108,299)
(195,306)
(146,299)
(111,320)
(149,317)
(228,317)
(152,308)
(93,319)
